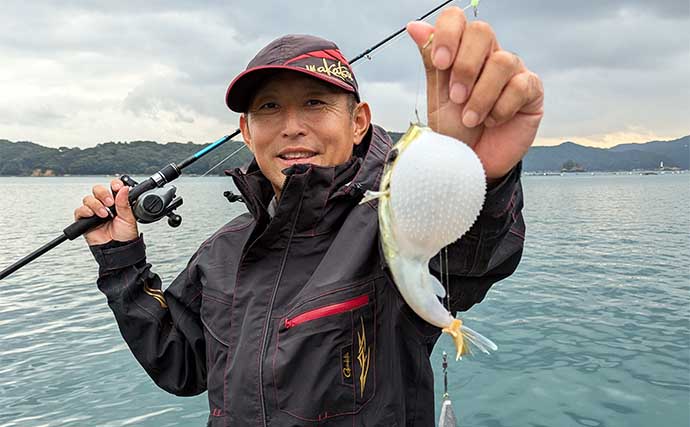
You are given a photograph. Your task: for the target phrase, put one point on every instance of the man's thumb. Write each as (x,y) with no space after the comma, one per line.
(124,210)
(421,32)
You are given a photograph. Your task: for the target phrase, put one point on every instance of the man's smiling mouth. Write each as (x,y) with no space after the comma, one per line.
(296,155)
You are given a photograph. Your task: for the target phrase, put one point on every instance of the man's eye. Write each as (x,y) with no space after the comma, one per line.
(315,102)
(268,106)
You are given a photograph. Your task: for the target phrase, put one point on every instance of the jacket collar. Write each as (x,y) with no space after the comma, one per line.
(309,190)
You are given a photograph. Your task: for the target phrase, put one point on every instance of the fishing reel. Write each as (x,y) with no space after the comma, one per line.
(156,203)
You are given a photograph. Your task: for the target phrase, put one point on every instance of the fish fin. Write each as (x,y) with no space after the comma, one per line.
(466,338)
(478,340)
(436,286)
(372,195)
(454,330)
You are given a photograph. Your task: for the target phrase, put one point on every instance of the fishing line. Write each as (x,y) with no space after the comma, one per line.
(447,281)
(222,161)
(417,92)
(444,263)
(445,276)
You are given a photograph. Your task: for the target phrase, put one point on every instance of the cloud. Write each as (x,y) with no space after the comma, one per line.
(94,70)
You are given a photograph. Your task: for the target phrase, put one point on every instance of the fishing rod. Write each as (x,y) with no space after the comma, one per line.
(366,53)
(149,199)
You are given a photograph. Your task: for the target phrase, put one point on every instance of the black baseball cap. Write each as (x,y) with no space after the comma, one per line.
(314,56)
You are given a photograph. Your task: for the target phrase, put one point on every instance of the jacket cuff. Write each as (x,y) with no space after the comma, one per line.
(118,255)
(500,196)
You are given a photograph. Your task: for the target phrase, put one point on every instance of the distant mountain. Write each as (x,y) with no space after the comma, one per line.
(110,158)
(622,157)
(146,157)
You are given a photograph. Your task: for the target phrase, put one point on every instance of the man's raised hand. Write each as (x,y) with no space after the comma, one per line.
(477,92)
(122,228)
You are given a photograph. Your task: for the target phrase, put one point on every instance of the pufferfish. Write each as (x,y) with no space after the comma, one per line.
(431,192)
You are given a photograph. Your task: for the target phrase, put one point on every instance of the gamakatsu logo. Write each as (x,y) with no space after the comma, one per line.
(363,358)
(347,371)
(335,69)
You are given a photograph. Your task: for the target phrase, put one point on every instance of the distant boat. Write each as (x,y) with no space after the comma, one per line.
(573,168)
(667,168)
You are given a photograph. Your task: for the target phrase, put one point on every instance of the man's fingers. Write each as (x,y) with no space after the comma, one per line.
(122,206)
(498,71)
(478,41)
(522,92)
(95,205)
(115,185)
(82,212)
(124,210)
(103,195)
(447,34)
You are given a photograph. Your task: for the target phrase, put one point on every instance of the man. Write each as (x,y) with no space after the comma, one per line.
(287,315)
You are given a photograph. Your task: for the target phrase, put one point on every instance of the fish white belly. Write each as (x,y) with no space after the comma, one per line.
(436,192)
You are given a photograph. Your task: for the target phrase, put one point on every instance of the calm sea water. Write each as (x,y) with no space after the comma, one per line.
(593,329)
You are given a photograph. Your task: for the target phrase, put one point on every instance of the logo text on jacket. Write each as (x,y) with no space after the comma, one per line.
(346,364)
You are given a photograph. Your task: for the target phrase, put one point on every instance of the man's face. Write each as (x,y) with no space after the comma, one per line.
(294,118)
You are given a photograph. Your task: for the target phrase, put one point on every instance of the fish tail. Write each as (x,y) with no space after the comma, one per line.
(478,340)
(455,331)
(465,338)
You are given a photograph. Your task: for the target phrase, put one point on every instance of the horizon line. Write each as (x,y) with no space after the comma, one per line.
(536,143)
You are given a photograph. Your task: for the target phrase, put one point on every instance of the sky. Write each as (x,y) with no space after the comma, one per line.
(77,73)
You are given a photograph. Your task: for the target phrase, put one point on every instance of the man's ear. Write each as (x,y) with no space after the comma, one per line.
(361,120)
(246,135)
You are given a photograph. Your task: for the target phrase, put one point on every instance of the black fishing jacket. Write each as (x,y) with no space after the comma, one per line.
(293,319)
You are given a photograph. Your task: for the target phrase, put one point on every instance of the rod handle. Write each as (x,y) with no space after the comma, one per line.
(83,225)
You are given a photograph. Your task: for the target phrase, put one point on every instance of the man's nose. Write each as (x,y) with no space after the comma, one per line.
(293,125)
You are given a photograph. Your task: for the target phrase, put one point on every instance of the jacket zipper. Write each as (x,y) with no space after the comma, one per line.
(270,311)
(266,326)
(328,310)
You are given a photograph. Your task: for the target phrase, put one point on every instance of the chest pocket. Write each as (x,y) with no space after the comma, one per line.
(216,321)
(324,357)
